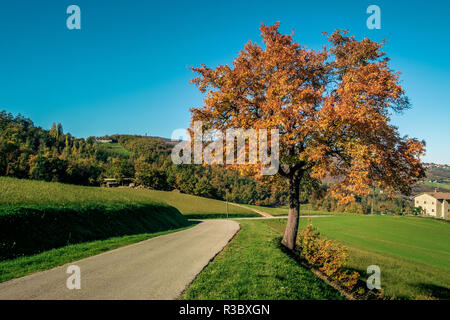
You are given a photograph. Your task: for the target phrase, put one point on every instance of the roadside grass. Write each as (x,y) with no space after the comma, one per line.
(20,191)
(443,185)
(22,266)
(412,253)
(305,210)
(273,211)
(254,266)
(194,207)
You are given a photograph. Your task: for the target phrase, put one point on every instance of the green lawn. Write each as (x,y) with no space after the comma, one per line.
(413,253)
(22,266)
(115,149)
(253,266)
(20,191)
(305,210)
(199,207)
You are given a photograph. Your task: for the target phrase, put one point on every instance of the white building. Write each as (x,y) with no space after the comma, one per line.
(436,204)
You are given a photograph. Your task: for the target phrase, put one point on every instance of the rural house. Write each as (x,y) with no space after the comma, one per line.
(435,204)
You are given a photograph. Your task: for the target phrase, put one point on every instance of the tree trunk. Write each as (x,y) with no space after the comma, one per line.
(290,233)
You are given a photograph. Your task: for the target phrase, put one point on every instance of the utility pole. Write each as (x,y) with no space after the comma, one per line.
(371,207)
(226,198)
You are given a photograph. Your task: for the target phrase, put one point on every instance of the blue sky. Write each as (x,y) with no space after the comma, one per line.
(126,70)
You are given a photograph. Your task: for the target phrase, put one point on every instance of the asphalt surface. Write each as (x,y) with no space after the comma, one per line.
(158,268)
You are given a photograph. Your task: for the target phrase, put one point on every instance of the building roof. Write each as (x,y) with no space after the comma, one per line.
(438,195)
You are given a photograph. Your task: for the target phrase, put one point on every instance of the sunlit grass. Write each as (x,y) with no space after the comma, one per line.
(254,266)
(443,185)
(115,148)
(413,253)
(305,209)
(20,191)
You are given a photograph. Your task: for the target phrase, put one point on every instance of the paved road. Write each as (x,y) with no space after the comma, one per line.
(158,268)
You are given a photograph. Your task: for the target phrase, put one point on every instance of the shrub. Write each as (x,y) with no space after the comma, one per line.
(326,255)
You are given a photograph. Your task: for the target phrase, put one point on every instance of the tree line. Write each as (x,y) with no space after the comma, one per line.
(30,152)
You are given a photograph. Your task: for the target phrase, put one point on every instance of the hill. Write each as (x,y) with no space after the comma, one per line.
(36,216)
(18,192)
(30,152)
(437,176)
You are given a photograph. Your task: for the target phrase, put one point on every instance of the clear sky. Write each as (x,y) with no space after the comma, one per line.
(126,70)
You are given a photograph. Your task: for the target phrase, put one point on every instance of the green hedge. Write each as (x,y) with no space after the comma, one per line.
(30,229)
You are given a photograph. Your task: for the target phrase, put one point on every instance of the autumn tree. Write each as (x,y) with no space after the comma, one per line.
(332,108)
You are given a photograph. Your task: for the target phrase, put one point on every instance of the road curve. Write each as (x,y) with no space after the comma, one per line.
(158,268)
(262,213)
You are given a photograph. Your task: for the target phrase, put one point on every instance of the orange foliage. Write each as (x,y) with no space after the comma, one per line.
(328,256)
(331,106)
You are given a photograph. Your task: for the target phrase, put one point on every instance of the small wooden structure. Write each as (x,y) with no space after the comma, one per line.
(112,182)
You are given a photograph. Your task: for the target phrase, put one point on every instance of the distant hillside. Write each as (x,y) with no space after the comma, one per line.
(31,152)
(437,177)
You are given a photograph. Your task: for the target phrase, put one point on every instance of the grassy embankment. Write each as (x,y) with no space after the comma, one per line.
(43,225)
(254,266)
(412,253)
(194,207)
(17,192)
(49,224)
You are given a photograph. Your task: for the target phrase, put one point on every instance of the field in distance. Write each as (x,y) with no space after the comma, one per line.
(20,191)
(445,186)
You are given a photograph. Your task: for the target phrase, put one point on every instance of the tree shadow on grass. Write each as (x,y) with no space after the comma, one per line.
(435,291)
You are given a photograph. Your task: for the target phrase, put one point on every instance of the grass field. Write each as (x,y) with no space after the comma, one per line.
(199,207)
(43,224)
(114,149)
(413,253)
(305,209)
(441,185)
(17,191)
(254,266)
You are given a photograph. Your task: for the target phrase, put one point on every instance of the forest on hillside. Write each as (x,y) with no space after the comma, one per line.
(30,152)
